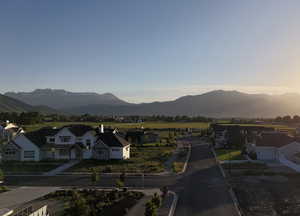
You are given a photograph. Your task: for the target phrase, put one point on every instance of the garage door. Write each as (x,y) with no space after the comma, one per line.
(266,155)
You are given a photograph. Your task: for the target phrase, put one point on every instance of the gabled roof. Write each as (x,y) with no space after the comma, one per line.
(273,139)
(112,140)
(38,137)
(79,130)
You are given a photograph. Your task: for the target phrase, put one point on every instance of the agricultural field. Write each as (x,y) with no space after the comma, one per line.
(275,126)
(142,159)
(151,125)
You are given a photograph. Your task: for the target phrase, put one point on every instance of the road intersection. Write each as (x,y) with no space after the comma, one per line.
(202,190)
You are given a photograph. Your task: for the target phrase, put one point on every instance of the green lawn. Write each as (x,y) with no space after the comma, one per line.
(28,167)
(231,154)
(147,159)
(178,164)
(152,125)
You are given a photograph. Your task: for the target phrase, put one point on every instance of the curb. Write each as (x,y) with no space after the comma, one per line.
(186,161)
(174,203)
(218,163)
(231,192)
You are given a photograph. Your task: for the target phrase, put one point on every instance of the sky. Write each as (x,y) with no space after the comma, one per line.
(150,50)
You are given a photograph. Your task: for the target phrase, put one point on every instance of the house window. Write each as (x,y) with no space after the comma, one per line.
(88,143)
(65,138)
(51,140)
(29,154)
(63,152)
(10,152)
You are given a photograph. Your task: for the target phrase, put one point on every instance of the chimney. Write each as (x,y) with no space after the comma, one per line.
(101,128)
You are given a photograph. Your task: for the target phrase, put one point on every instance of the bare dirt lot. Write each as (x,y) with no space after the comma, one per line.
(274,195)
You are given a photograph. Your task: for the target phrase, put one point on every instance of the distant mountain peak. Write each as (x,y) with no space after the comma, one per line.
(60,98)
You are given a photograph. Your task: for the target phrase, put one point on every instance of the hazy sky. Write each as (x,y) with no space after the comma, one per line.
(144,50)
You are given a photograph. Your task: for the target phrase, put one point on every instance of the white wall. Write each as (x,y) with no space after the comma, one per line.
(27,145)
(126,152)
(40,212)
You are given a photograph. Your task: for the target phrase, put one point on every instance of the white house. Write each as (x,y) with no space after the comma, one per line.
(267,145)
(69,142)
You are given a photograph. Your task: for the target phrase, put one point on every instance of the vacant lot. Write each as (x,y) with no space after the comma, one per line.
(268,195)
(16,167)
(158,125)
(142,159)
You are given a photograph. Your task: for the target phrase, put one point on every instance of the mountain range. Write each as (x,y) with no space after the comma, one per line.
(8,104)
(217,103)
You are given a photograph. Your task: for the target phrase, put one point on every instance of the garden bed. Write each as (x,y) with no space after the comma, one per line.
(94,202)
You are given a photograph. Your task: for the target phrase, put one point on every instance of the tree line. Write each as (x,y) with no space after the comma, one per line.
(26,118)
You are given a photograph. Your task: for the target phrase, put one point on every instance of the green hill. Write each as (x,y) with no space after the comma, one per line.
(8,104)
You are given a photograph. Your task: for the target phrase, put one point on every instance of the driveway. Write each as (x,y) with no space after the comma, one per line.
(21,195)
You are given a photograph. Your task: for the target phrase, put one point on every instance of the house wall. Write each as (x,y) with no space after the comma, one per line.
(7,152)
(126,152)
(116,153)
(67,133)
(88,153)
(27,145)
(40,212)
(101,151)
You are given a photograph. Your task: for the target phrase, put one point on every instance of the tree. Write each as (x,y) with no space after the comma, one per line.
(119,184)
(94,176)
(1,175)
(150,209)
(156,200)
(78,206)
(122,176)
(164,190)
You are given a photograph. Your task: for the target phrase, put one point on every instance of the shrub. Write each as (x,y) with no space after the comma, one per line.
(107,169)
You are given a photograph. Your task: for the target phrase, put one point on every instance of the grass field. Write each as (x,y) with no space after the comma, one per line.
(147,159)
(276,126)
(152,125)
(224,154)
(28,167)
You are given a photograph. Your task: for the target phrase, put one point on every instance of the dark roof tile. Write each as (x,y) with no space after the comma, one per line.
(112,140)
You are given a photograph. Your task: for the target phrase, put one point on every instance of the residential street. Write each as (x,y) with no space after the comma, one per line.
(201,189)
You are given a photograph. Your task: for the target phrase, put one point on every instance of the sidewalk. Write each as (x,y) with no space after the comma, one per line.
(61,168)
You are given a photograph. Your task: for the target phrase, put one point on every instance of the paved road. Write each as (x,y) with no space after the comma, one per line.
(202,190)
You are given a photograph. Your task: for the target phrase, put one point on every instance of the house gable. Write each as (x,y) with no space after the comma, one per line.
(29,150)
